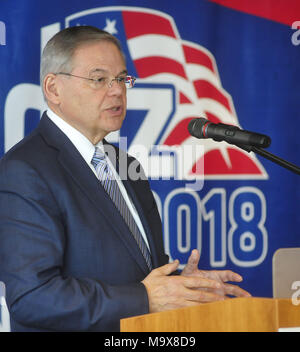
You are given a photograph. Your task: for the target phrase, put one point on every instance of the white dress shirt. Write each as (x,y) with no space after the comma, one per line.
(87,150)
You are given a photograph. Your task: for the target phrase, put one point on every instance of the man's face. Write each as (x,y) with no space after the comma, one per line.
(94,111)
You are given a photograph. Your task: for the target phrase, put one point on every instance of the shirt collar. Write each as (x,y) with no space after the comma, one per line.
(82,144)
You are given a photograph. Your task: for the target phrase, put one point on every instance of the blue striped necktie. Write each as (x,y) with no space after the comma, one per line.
(109,183)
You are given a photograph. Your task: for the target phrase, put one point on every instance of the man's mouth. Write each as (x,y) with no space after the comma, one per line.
(115,110)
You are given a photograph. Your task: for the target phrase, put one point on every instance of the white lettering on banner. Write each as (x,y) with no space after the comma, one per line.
(192,201)
(296,35)
(159,105)
(216,215)
(255,223)
(2,33)
(247,238)
(23,97)
(47,33)
(296,295)
(19,99)
(184,248)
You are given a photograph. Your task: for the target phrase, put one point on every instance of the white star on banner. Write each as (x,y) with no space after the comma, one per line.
(110,26)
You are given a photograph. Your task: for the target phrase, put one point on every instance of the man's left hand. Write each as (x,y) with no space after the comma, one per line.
(221,276)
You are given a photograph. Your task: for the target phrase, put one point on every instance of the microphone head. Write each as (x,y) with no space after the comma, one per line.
(195,127)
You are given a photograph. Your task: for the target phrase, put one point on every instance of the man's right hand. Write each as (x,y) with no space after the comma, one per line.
(176,291)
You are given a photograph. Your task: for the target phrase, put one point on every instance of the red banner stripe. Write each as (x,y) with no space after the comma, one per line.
(195,56)
(179,133)
(205,89)
(148,66)
(183,99)
(139,23)
(283,11)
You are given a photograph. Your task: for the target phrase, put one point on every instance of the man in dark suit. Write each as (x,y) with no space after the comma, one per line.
(70,257)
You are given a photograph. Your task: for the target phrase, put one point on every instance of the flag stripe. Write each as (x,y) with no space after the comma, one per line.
(205,89)
(183,99)
(179,133)
(197,72)
(139,23)
(196,56)
(156,45)
(152,65)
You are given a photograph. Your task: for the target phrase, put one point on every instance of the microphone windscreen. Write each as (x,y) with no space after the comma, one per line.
(195,127)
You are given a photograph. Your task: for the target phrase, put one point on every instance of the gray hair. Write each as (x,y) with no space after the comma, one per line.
(58,52)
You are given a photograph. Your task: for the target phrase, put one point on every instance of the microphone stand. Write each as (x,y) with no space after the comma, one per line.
(270,156)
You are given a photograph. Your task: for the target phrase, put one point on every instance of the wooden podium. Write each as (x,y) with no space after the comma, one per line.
(232,315)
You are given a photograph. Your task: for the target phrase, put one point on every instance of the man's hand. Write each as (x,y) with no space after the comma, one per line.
(192,287)
(177,291)
(221,276)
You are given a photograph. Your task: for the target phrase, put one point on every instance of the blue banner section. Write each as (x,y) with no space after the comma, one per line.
(192,59)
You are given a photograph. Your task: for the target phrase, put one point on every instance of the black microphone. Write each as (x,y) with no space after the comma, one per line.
(203,128)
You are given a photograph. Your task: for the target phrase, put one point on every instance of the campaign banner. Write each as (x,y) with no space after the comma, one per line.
(230,62)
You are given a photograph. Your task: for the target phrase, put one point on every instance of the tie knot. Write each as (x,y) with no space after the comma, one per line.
(98,157)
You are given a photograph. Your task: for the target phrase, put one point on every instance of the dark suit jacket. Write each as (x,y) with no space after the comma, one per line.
(67,258)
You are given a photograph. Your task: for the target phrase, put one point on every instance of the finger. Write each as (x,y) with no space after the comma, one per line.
(197,282)
(192,263)
(203,296)
(232,276)
(194,258)
(166,269)
(236,291)
(227,275)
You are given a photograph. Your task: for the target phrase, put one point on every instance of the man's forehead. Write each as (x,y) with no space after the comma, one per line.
(98,57)
(105,71)
(97,48)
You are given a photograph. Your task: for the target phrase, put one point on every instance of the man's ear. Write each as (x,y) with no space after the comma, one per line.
(50,88)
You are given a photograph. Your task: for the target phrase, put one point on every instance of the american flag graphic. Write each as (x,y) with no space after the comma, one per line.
(158,55)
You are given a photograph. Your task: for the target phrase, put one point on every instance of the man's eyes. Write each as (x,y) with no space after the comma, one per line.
(101,79)
(106,79)
(121,79)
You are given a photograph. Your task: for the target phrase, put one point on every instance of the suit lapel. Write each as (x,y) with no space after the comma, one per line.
(85,179)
